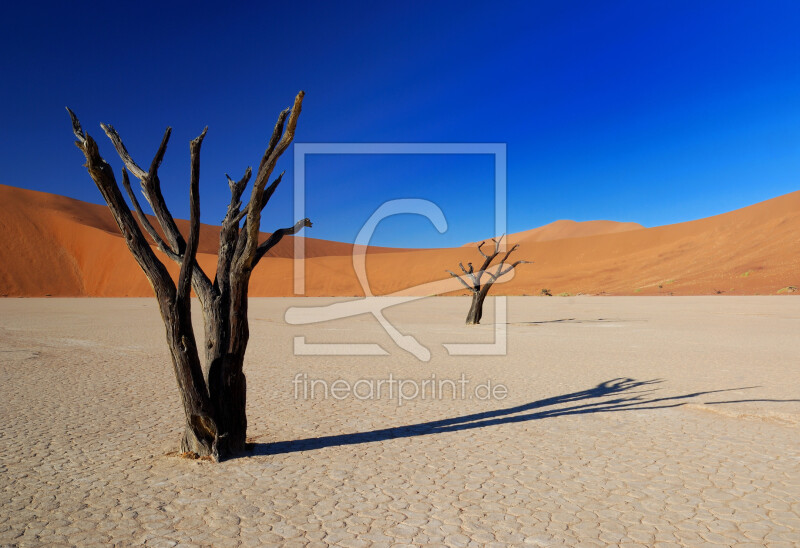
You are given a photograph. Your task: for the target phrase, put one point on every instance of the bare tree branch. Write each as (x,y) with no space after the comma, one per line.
(509,252)
(151,188)
(245,259)
(237,188)
(151,185)
(76,128)
(277,236)
(159,157)
(103,176)
(276,135)
(460,279)
(188,264)
(512,267)
(229,231)
(145,222)
(497,243)
(116,140)
(469,273)
(503,260)
(264,200)
(480,245)
(485,265)
(239,216)
(270,190)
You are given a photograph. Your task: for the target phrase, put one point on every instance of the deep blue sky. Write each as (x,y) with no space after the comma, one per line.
(655,112)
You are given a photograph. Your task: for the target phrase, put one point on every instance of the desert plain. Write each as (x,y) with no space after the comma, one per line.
(631,421)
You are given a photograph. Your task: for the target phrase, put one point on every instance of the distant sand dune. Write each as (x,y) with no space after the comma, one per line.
(560,230)
(63,247)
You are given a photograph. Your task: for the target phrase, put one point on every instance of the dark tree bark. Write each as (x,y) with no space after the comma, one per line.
(480,290)
(213,391)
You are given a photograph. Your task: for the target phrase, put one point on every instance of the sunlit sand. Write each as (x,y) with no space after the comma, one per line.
(63,247)
(627,420)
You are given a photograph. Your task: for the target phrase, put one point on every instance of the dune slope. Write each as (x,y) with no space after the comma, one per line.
(63,247)
(560,230)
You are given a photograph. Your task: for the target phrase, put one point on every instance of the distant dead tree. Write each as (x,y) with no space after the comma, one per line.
(213,392)
(479,291)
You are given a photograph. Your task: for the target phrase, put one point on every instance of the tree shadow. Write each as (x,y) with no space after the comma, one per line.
(576,320)
(620,394)
(749,401)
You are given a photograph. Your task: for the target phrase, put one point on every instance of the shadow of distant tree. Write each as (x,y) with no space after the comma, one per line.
(620,394)
(749,401)
(576,321)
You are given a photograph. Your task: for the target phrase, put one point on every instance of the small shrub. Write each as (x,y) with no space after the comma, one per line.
(546,293)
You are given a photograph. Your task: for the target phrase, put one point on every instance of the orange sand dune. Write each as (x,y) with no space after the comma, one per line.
(560,230)
(62,247)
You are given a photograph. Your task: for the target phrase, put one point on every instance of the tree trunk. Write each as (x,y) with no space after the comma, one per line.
(476,308)
(200,430)
(227,334)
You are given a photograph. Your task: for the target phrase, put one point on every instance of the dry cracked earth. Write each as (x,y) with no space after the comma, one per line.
(628,421)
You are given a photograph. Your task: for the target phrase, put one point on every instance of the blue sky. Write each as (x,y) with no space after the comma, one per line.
(654,112)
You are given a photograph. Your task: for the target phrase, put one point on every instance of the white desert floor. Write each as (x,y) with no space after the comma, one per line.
(631,421)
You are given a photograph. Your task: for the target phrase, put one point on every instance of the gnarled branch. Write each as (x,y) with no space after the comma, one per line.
(237,188)
(273,141)
(185,276)
(480,250)
(277,146)
(469,273)
(103,177)
(151,185)
(151,189)
(145,222)
(125,156)
(229,231)
(460,279)
(277,236)
(512,267)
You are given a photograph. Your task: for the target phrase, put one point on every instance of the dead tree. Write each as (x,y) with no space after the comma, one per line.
(213,391)
(480,290)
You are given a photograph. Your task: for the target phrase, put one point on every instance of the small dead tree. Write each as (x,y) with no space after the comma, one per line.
(213,392)
(479,290)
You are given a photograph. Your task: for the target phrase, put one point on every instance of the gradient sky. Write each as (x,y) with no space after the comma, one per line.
(654,112)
